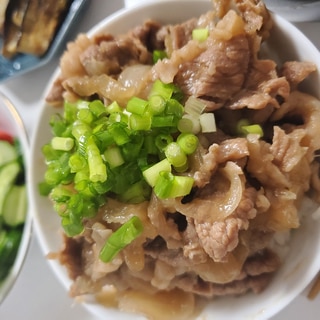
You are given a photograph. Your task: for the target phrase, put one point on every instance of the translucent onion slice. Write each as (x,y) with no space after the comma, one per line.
(218,205)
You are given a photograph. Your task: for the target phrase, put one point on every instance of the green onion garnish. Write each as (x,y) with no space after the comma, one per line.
(157,104)
(200,34)
(194,106)
(140,122)
(119,239)
(207,122)
(252,129)
(188,142)
(113,156)
(171,186)
(245,128)
(158,55)
(97,168)
(100,151)
(137,106)
(175,155)
(152,174)
(61,143)
(164,90)
(189,123)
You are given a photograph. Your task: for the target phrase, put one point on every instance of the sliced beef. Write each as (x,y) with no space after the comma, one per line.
(262,88)
(296,71)
(221,237)
(110,57)
(217,73)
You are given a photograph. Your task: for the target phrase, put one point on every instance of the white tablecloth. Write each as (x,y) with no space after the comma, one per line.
(37,293)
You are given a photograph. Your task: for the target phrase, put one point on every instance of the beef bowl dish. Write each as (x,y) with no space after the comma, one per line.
(174,165)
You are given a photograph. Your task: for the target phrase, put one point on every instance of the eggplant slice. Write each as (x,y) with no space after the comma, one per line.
(30,25)
(3,8)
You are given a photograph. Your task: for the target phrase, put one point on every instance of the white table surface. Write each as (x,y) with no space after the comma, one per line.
(37,293)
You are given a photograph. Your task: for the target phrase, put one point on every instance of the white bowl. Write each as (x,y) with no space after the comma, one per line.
(296,10)
(303,261)
(10,122)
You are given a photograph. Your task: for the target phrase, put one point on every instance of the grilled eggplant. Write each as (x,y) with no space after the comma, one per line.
(30,25)
(3,8)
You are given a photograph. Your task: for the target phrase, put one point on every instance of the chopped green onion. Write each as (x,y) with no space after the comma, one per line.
(116,151)
(188,142)
(82,104)
(137,193)
(158,55)
(132,150)
(117,117)
(82,142)
(174,107)
(252,129)
(89,209)
(105,137)
(175,155)
(61,193)
(77,162)
(97,108)
(114,107)
(157,104)
(240,124)
(137,105)
(207,122)
(97,168)
(72,227)
(80,129)
(183,168)
(151,174)
(85,115)
(171,186)
(149,145)
(162,141)
(122,237)
(61,143)
(44,188)
(194,106)
(189,123)
(163,121)
(140,122)
(119,133)
(164,90)
(200,34)
(59,171)
(113,156)
(244,128)
(58,125)
(49,153)
(69,111)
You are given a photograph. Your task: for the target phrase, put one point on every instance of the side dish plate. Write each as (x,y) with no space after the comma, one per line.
(23,63)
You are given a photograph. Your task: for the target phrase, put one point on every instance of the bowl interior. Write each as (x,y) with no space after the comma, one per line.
(298,270)
(296,10)
(11,123)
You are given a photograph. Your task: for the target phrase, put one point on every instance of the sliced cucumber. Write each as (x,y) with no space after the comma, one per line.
(9,245)
(8,174)
(8,153)
(15,206)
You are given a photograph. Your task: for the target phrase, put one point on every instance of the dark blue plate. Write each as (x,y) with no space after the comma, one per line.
(22,63)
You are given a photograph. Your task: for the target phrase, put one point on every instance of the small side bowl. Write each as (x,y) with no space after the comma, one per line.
(11,122)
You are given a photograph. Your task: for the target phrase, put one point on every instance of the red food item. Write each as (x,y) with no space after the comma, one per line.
(6,136)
